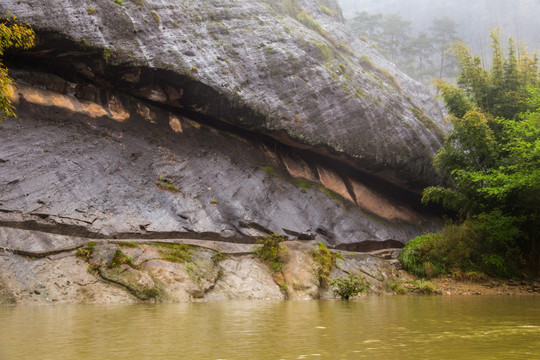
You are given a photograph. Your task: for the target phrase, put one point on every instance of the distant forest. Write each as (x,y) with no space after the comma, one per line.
(415,33)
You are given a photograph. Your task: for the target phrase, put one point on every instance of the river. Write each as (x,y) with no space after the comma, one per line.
(385,327)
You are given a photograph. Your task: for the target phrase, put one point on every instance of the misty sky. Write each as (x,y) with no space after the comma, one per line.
(517,18)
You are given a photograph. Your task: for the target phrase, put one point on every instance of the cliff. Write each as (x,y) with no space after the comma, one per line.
(209,121)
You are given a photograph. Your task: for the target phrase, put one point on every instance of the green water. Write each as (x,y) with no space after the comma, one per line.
(387,327)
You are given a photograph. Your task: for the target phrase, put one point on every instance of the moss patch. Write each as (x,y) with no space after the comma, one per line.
(178,253)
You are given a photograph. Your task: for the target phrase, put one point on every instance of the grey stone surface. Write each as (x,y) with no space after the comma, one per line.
(150,275)
(212,121)
(149,174)
(254,64)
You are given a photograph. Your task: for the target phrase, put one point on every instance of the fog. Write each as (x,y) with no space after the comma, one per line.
(518,18)
(474,19)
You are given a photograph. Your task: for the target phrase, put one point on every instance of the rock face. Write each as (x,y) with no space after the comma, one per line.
(112,271)
(287,68)
(124,168)
(203,121)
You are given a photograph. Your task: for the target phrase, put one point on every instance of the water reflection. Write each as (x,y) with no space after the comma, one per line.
(404,327)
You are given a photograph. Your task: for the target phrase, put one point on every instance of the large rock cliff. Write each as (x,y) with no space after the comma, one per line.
(290,69)
(210,120)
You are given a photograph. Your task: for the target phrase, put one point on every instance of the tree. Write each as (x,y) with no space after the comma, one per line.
(414,54)
(491,159)
(444,33)
(12,35)
(366,24)
(418,53)
(395,32)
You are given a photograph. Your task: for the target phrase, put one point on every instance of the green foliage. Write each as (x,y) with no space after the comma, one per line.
(473,276)
(307,20)
(501,91)
(486,243)
(431,255)
(327,260)
(272,251)
(165,184)
(397,287)
(178,253)
(86,251)
(491,159)
(150,294)
(367,63)
(90,10)
(120,258)
(128,244)
(107,54)
(420,286)
(348,286)
(327,11)
(456,99)
(12,35)
(218,257)
(155,16)
(119,2)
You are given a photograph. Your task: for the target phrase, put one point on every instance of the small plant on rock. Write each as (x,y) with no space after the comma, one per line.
(165,184)
(120,258)
(421,286)
(397,287)
(86,251)
(272,251)
(178,253)
(218,257)
(150,294)
(327,260)
(348,286)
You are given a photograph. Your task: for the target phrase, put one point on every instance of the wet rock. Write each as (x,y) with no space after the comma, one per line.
(258,67)
(148,273)
(236,193)
(245,278)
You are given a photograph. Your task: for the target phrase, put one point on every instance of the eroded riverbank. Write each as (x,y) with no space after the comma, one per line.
(52,268)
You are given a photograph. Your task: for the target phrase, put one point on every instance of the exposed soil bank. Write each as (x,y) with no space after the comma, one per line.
(489,286)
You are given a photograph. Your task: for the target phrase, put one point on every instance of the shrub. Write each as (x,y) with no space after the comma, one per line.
(421,286)
(348,286)
(498,245)
(272,251)
(417,257)
(397,287)
(431,255)
(326,259)
(474,276)
(486,244)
